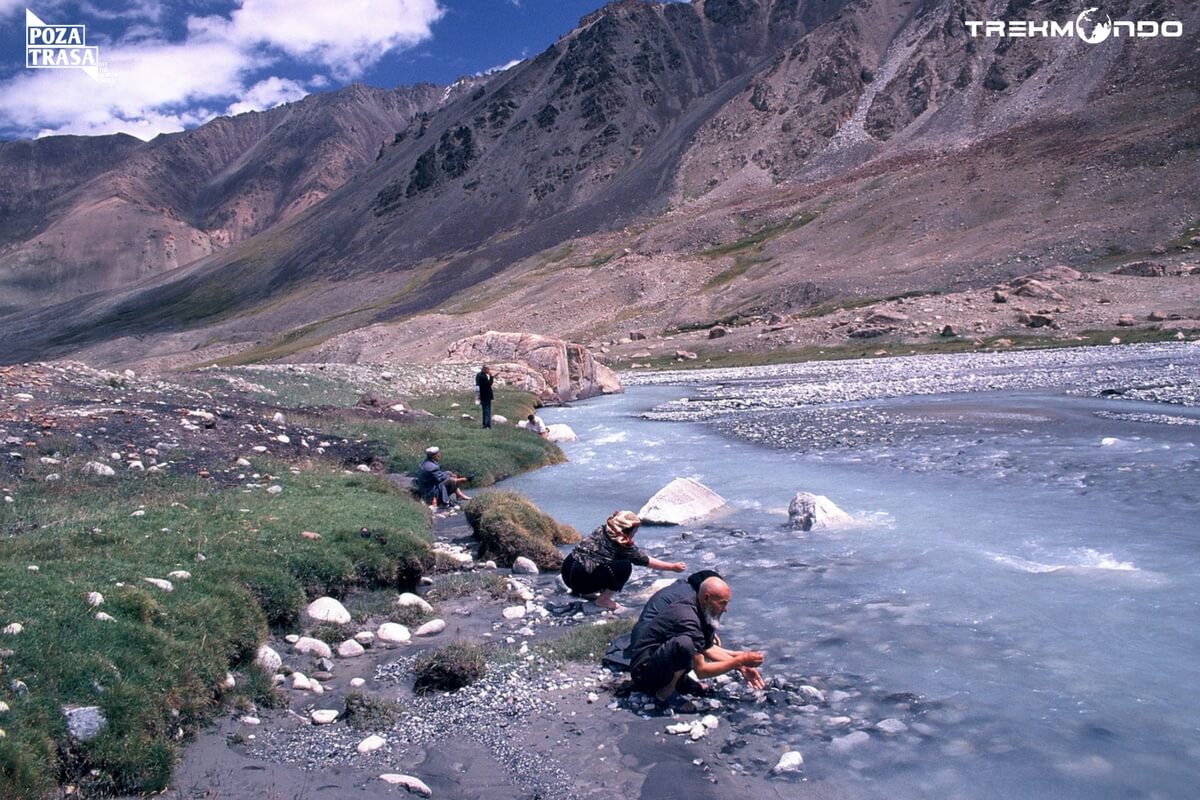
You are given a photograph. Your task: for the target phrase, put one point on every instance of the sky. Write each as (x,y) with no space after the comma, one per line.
(170,65)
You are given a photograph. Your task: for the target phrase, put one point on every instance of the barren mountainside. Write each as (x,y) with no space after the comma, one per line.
(661,165)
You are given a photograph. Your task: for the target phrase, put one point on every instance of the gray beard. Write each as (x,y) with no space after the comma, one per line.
(713,620)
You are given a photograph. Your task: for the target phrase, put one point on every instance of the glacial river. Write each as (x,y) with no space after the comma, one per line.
(1022,591)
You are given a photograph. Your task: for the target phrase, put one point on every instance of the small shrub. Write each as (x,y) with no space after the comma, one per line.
(366,712)
(449,668)
(509,525)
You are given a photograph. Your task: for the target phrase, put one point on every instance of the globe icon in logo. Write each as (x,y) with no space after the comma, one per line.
(1090,28)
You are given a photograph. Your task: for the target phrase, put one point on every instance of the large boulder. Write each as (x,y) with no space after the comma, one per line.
(555,370)
(680,501)
(809,511)
(561,432)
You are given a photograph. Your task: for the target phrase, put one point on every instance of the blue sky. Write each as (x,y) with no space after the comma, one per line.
(168,65)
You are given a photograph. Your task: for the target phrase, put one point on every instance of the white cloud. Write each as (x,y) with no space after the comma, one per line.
(150,86)
(268,94)
(347,36)
(146,88)
(11,6)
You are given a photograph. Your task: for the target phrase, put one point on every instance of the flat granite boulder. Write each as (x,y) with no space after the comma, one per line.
(809,511)
(680,501)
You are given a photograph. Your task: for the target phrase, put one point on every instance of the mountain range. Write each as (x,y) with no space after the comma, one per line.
(662,167)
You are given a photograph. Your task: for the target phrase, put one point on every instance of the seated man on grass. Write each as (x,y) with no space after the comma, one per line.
(438,486)
(682,637)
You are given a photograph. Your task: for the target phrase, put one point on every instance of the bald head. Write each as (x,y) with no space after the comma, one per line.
(713,598)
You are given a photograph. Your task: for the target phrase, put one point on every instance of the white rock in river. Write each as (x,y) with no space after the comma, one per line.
(698,731)
(311,646)
(350,649)
(392,633)
(812,693)
(326,609)
(365,638)
(371,744)
(431,628)
(85,722)
(410,600)
(524,566)
(709,721)
(809,511)
(513,612)
(301,682)
(850,741)
(414,785)
(559,432)
(324,716)
(682,500)
(789,762)
(892,726)
(357,682)
(679,728)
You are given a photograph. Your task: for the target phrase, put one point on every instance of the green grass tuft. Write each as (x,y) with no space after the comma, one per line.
(586,643)
(509,525)
(449,668)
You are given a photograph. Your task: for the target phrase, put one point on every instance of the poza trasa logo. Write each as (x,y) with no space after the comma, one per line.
(1092,26)
(59,47)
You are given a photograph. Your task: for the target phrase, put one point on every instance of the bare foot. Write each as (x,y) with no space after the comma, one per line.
(609,604)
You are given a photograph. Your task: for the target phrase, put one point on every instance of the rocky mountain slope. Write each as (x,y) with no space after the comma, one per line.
(86,214)
(672,165)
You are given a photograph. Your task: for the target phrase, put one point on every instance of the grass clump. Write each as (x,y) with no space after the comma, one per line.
(508,525)
(449,668)
(586,642)
(462,584)
(366,712)
(157,667)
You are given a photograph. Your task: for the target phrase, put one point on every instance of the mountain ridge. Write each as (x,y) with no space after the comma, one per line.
(753,122)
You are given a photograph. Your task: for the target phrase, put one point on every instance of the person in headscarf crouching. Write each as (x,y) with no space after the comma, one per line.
(602,563)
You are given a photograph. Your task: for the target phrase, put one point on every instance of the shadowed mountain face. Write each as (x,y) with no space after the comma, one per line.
(811,131)
(86,214)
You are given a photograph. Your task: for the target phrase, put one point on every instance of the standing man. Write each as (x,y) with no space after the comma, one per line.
(483,389)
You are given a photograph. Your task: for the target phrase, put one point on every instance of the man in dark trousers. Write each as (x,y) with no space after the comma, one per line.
(483,388)
(682,637)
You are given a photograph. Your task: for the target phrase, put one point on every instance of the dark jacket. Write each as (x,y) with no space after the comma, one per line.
(658,602)
(681,618)
(484,382)
(598,549)
(429,476)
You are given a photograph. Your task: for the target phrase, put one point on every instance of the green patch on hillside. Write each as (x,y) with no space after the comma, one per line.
(754,241)
(741,263)
(156,669)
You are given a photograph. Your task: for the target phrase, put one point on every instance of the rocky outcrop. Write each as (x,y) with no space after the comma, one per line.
(555,370)
(680,501)
(809,511)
